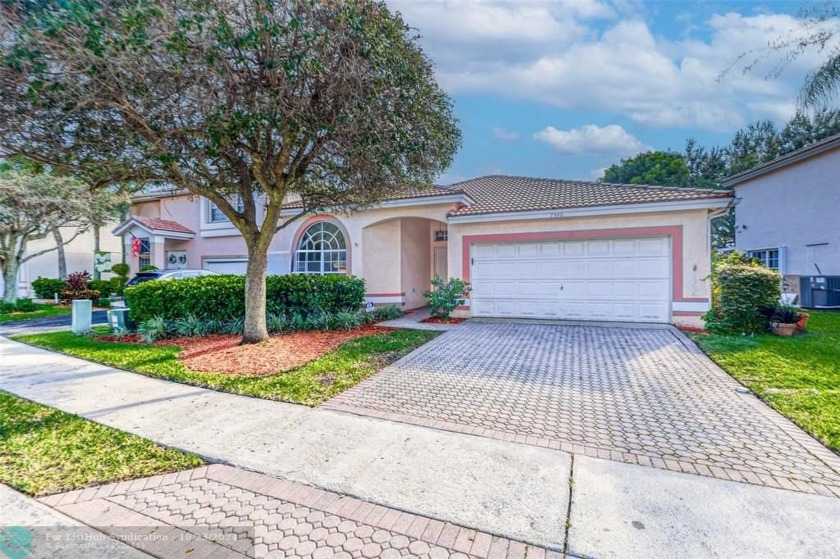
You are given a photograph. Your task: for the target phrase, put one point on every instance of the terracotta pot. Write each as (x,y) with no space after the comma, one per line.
(803,321)
(784,329)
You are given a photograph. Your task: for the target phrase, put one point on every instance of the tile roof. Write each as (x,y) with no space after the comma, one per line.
(162,225)
(405,195)
(501,194)
(791,157)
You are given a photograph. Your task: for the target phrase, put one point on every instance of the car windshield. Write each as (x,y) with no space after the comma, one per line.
(140,278)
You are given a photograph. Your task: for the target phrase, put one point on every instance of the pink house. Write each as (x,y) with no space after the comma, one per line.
(532,248)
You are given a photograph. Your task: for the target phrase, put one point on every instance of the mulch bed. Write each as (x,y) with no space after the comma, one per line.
(223,354)
(439,320)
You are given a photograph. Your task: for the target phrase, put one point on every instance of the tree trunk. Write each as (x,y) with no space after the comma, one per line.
(255,326)
(96,274)
(10,272)
(62,259)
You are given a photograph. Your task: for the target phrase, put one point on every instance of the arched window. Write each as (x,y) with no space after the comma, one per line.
(321,250)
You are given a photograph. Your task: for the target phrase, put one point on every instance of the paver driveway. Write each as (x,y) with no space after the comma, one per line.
(640,395)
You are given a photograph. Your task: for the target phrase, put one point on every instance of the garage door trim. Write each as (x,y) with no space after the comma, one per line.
(675,232)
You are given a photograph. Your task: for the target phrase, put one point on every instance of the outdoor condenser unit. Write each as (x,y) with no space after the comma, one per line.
(818,292)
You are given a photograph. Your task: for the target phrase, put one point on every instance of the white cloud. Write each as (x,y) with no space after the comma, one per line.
(592,139)
(598,56)
(504,134)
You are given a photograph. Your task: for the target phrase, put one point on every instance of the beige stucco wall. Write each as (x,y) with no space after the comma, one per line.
(379,243)
(415,257)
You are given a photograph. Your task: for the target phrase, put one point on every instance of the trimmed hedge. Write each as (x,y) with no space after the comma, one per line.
(46,288)
(223,296)
(744,297)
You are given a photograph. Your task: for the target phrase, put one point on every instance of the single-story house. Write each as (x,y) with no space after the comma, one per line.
(786,212)
(531,248)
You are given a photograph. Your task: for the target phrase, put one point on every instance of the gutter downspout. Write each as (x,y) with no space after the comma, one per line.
(713,214)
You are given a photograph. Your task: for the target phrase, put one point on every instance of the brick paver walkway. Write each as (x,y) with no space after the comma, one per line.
(640,395)
(224,512)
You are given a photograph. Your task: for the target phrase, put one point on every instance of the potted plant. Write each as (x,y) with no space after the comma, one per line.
(802,322)
(784,320)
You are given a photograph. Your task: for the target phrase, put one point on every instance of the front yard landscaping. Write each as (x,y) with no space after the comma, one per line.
(329,372)
(799,376)
(44,451)
(38,311)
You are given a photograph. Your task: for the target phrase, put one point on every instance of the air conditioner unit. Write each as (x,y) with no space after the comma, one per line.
(819,292)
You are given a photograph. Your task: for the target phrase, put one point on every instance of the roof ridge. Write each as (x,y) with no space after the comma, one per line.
(592,183)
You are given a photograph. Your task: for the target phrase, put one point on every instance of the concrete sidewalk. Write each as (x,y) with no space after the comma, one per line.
(512,490)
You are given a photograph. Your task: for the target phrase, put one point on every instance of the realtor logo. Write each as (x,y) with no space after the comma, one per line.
(15,542)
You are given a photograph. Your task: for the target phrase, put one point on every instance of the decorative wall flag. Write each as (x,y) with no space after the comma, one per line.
(135,247)
(101,261)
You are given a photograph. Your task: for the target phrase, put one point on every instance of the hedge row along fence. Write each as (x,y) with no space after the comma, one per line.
(212,297)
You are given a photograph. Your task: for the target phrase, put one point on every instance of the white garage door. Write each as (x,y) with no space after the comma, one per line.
(609,279)
(234,266)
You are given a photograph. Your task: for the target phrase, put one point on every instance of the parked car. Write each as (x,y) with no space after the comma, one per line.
(167,275)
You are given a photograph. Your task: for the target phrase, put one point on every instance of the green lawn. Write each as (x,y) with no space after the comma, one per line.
(44,451)
(308,384)
(798,376)
(42,312)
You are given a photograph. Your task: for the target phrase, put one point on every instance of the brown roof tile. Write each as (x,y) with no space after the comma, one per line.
(405,195)
(501,194)
(162,224)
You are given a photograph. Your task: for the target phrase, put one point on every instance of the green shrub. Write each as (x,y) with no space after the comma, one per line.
(153,329)
(223,296)
(46,288)
(21,305)
(446,295)
(148,268)
(744,296)
(121,269)
(118,284)
(76,287)
(103,302)
(276,323)
(100,285)
(386,312)
(348,320)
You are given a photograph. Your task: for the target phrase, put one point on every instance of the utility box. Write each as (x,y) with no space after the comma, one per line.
(82,317)
(119,320)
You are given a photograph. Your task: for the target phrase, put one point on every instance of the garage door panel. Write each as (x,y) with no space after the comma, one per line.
(601,279)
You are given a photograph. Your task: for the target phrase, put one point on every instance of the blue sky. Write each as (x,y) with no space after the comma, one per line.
(565,88)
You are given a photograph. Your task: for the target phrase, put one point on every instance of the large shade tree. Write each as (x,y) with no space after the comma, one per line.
(330,103)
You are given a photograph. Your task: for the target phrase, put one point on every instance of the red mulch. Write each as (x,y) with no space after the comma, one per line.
(439,320)
(223,354)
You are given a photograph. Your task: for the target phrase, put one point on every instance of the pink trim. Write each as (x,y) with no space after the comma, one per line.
(384,294)
(318,219)
(673,231)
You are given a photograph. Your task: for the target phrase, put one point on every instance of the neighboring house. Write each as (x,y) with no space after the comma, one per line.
(78,254)
(787,212)
(532,248)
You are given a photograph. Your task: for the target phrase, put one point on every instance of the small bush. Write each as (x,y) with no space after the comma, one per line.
(744,295)
(446,295)
(46,288)
(785,314)
(148,268)
(76,287)
(21,305)
(121,269)
(387,312)
(102,302)
(102,286)
(223,296)
(276,323)
(153,329)
(348,320)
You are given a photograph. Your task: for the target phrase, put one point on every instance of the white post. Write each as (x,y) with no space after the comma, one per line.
(82,316)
